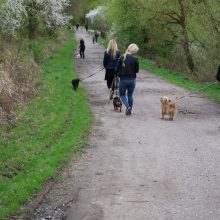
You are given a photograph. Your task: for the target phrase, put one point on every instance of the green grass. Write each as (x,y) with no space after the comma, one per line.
(103,41)
(38,51)
(53,126)
(178,79)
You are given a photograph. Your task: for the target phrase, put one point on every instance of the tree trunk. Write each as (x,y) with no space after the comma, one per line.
(185,45)
(32,20)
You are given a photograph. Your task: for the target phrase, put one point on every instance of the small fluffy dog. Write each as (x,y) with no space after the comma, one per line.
(117,104)
(167,108)
(75,83)
(78,56)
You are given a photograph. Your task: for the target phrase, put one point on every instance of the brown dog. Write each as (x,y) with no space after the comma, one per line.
(117,103)
(167,108)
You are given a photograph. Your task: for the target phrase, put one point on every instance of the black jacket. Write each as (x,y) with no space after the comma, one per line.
(218,73)
(127,69)
(109,62)
(82,45)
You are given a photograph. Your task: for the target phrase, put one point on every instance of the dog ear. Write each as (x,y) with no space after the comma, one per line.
(161,99)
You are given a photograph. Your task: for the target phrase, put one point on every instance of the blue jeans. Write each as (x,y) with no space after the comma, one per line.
(127,85)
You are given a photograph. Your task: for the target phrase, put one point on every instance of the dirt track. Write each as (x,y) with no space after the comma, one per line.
(140,167)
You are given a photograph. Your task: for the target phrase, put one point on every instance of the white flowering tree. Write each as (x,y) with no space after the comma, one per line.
(54,15)
(98,18)
(16,14)
(50,12)
(12,16)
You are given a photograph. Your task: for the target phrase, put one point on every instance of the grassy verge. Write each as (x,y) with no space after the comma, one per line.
(212,92)
(103,41)
(54,125)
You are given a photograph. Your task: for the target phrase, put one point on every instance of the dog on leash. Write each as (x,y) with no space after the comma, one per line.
(168,108)
(117,104)
(75,83)
(77,54)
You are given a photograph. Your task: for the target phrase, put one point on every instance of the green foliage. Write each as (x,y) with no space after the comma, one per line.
(38,51)
(91,4)
(77,9)
(51,127)
(20,17)
(100,23)
(182,34)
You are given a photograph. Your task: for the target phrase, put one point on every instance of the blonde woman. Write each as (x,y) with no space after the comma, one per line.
(127,68)
(110,61)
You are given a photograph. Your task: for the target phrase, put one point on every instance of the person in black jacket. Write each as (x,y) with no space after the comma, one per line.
(218,74)
(218,77)
(127,68)
(82,48)
(86,27)
(110,61)
(96,36)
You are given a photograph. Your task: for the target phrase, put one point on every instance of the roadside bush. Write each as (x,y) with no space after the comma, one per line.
(38,51)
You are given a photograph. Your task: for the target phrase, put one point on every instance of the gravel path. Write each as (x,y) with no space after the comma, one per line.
(139,167)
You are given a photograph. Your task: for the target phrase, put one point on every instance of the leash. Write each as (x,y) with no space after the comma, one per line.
(115,82)
(102,69)
(92,74)
(88,76)
(195,91)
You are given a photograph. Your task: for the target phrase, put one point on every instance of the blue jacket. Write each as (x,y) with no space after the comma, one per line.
(109,62)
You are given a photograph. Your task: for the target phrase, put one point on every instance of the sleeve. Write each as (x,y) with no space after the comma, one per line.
(137,66)
(119,54)
(118,67)
(105,59)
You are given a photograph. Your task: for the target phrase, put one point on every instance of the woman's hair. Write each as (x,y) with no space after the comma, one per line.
(112,48)
(81,41)
(132,48)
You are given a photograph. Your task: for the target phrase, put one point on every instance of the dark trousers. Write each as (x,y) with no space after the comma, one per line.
(109,84)
(81,52)
(109,75)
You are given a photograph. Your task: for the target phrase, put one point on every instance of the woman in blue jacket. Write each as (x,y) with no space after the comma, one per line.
(110,61)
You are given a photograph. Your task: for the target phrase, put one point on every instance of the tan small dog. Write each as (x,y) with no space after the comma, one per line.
(167,108)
